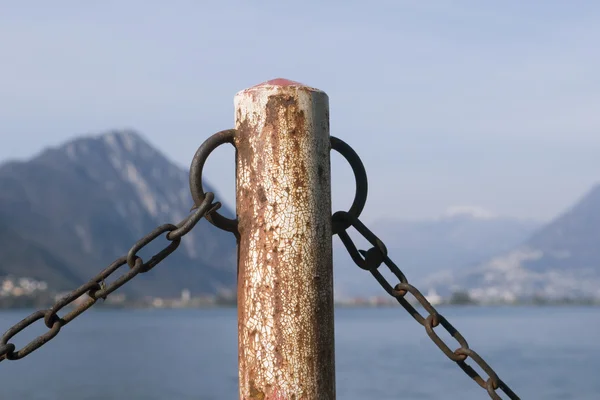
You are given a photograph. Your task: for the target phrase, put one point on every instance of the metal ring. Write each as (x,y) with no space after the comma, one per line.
(360,176)
(226,136)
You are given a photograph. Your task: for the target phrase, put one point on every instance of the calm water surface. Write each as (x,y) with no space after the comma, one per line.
(542,353)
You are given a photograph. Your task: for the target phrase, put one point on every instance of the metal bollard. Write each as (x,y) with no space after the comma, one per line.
(285,283)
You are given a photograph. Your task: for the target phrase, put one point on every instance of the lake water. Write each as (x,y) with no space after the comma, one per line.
(542,353)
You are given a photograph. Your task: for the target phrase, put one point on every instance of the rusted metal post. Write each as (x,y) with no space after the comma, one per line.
(285,283)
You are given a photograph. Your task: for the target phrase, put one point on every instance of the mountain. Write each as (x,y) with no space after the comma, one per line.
(461,237)
(561,260)
(71,210)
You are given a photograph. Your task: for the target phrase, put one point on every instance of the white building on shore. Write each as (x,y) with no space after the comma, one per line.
(433,298)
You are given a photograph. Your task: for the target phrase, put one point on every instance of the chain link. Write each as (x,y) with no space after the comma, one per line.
(371,259)
(96,287)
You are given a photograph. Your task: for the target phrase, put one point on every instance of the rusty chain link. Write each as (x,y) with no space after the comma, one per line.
(97,289)
(371,259)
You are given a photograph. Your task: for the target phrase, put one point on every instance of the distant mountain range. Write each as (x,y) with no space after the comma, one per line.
(560,260)
(70,211)
(461,237)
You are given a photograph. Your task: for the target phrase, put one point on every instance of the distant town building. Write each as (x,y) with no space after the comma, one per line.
(433,298)
(11,286)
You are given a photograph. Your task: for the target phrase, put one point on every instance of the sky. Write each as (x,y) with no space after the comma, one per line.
(450,104)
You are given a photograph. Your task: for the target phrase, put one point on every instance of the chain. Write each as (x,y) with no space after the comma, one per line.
(371,259)
(96,287)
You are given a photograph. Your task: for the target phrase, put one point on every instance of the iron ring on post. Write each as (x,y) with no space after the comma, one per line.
(226,136)
(360,176)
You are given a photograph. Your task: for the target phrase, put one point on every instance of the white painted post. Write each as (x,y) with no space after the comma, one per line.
(285,283)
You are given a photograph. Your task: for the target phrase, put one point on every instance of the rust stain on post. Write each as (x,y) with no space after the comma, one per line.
(285,284)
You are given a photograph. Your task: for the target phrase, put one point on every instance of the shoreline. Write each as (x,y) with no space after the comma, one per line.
(337,306)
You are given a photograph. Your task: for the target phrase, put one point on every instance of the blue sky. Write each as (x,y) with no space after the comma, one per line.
(449,103)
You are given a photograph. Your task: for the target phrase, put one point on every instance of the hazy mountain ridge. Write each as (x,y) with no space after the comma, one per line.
(420,248)
(560,260)
(73,209)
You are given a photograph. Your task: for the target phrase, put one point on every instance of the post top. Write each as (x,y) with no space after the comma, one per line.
(279,82)
(276,85)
